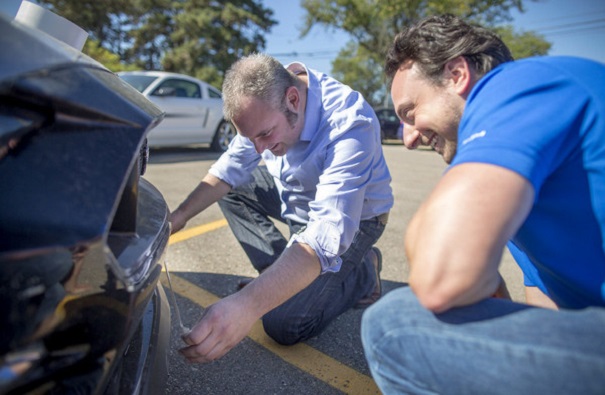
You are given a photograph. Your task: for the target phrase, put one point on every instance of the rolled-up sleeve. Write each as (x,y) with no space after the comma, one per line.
(324,238)
(236,164)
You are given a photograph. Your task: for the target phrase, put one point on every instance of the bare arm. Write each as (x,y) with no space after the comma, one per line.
(224,324)
(209,191)
(455,240)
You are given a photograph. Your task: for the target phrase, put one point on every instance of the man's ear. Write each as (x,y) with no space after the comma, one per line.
(461,75)
(293,99)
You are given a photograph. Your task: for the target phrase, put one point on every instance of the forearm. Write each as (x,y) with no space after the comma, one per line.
(209,191)
(454,242)
(294,270)
(436,277)
(226,323)
(440,283)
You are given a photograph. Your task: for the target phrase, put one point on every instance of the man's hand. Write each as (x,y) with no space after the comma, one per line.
(177,222)
(222,326)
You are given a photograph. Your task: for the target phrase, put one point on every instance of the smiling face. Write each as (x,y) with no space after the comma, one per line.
(268,128)
(430,113)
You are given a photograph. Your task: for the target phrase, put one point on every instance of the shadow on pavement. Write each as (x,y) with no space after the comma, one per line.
(181,154)
(251,368)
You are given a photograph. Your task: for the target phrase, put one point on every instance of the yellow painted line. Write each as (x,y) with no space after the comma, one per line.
(196,231)
(304,357)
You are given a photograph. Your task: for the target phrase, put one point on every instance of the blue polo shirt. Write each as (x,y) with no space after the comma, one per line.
(544,118)
(333,178)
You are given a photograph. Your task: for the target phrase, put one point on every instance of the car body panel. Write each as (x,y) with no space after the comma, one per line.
(82,235)
(193,108)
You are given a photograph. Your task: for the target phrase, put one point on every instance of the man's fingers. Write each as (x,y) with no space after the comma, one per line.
(218,331)
(187,339)
(198,333)
(197,351)
(204,352)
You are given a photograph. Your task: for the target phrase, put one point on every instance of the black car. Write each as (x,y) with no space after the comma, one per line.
(82,235)
(390,125)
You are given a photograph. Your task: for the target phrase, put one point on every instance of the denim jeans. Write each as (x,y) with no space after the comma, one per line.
(248,210)
(492,347)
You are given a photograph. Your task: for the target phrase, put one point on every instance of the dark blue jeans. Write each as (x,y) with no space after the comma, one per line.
(248,210)
(491,347)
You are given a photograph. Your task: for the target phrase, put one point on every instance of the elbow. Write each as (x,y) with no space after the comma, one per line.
(431,299)
(432,295)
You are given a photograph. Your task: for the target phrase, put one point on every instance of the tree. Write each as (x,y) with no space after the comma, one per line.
(107,22)
(201,38)
(355,64)
(210,35)
(523,45)
(372,24)
(154,23)
(105,57)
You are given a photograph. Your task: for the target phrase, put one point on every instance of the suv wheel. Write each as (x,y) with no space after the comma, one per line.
(223,136)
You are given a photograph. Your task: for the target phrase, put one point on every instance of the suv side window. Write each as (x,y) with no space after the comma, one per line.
(183,88)
(214,94)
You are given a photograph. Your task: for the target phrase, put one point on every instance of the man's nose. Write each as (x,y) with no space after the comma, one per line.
(411,136)
(259,146)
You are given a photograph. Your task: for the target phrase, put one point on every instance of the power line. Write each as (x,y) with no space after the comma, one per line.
(571,25)
(572,28)
(315,54)
(567,18)
(575,30)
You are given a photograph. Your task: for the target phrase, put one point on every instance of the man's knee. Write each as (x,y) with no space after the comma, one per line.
(394,308)
(287,330)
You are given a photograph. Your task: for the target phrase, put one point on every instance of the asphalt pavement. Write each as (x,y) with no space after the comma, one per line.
(206,262)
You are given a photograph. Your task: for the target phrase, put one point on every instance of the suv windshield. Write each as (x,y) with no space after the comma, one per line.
(139,82)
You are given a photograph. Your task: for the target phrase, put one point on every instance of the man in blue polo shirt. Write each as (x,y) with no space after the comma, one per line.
(324,174)
(526,144)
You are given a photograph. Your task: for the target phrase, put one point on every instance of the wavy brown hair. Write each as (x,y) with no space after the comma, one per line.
(436,40)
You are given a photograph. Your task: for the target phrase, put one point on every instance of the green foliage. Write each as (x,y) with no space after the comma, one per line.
(524,44)
(201,38)
(105,57)
(209,36)
(372,25)
(105,21)
(355,64)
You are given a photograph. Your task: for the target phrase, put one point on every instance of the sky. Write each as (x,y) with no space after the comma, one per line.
(573,27)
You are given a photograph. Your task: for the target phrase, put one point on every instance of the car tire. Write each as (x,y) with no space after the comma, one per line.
(223,136)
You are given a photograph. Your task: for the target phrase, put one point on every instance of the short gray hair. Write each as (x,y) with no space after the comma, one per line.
(259,76)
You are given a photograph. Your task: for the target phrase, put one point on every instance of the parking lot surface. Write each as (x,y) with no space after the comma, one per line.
(206,262)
